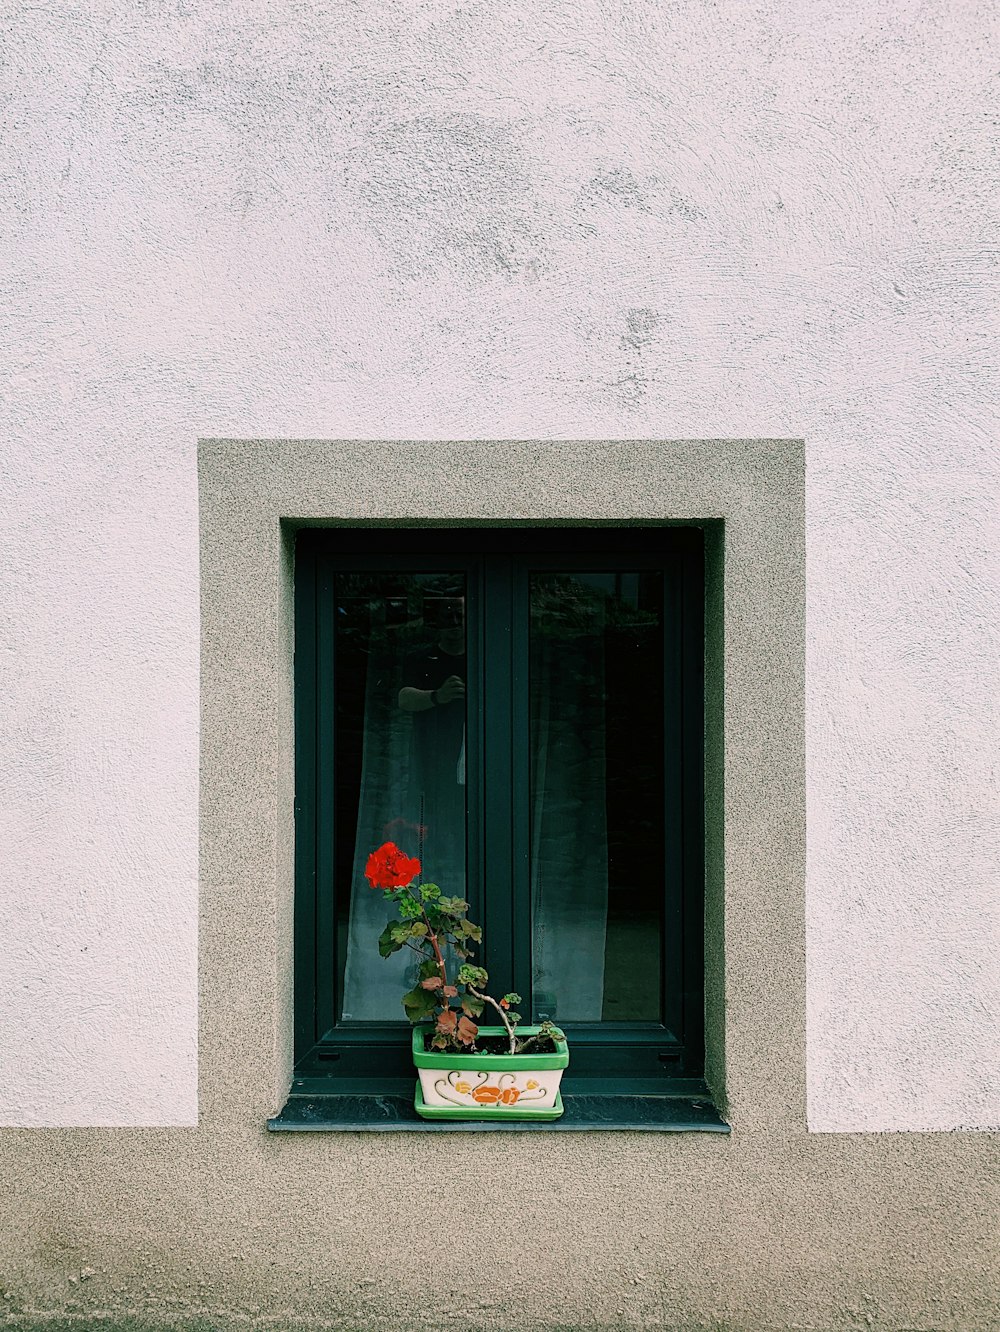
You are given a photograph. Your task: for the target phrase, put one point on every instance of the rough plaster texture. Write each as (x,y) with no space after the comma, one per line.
(438,221)
(227,1227)
(429,220)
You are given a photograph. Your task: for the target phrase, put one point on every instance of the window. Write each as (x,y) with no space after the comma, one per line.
(522,708)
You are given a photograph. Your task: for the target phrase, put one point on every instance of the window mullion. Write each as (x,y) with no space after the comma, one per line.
(476,785)
(326,933)
(496,866)
(521,904)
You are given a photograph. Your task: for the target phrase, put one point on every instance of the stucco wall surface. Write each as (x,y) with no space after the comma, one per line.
(443,221)
(232,1229)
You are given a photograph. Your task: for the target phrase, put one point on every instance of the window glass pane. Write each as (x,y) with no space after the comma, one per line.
(399,762)
(596,673)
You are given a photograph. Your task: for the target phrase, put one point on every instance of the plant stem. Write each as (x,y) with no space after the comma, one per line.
(437,953)
(433,939)
(529,1041)
(503,1016)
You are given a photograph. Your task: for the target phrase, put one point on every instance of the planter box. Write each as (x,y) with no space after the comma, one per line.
(488,1086)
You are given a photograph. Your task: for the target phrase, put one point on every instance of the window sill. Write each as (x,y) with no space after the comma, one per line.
(392,1113)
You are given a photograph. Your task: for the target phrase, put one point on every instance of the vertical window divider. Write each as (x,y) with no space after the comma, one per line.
(326,931)
(520,705)
(475,721)
(498,804)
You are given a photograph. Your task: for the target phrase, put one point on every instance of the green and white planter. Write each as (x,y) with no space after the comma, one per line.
(488,1086)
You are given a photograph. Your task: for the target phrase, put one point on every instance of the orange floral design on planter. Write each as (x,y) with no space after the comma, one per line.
(494,1095)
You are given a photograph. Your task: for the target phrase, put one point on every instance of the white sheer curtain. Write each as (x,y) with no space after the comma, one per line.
(412,792)
(569,831)
(373,984)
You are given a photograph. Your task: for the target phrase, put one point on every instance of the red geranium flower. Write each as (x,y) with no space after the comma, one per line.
(388,867)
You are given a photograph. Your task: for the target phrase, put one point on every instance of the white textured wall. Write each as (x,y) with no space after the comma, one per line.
(438,220)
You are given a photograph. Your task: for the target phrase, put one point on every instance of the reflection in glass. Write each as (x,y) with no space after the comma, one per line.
(597,795)
(399,761)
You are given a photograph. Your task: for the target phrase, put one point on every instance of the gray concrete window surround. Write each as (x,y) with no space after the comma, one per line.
(749,494)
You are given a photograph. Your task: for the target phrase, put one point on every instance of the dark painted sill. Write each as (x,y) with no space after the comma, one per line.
(395,1114)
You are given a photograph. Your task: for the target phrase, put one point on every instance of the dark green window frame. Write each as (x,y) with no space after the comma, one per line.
(638,1059)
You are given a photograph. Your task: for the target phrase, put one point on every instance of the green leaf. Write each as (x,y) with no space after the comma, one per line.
(399,930)
(419,1004)
(428,969)
(429,891)
(409,907)
(513,1018)
(387,941)
(471,1006)
(455,906)
(470,975)
(418,929)
(511,998)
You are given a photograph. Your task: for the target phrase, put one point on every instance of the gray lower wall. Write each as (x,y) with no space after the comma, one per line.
(225,1226)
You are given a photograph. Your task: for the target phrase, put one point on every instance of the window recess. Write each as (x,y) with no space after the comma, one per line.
(557,785)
